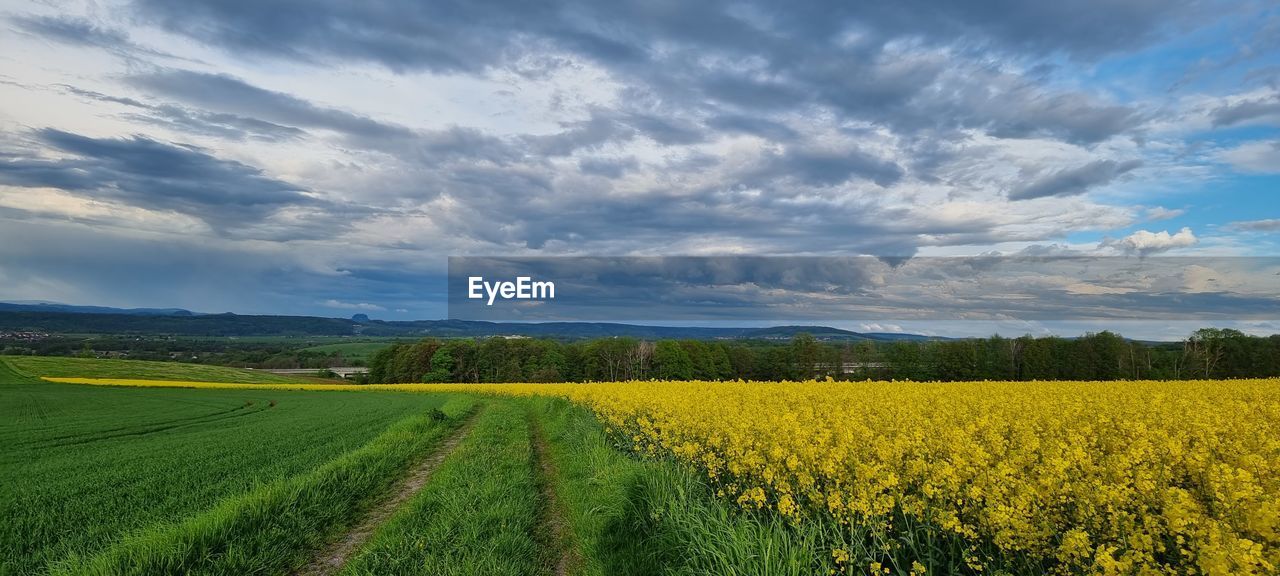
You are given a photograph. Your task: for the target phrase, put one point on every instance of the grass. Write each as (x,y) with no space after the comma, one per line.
(477,515)
(66,367)
(274,527)
(85,467)
(629,516)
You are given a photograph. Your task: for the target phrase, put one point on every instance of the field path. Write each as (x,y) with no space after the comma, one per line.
(330,559)
(555,529)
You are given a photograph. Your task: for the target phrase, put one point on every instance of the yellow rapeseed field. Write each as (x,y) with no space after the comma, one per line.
(1104,478)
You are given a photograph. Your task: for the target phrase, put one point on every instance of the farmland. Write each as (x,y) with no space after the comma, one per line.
(108,368)
(351,351)
(84,465)
(640,477)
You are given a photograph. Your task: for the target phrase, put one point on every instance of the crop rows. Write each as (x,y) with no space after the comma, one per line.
(823,477)
(83,467)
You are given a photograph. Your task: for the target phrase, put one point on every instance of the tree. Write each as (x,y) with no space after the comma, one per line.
(906,361)
(1107,355)
(671,361)
(805,356)
(1205,348)
(957,360)
(380,369)
(608,359)
(441,366)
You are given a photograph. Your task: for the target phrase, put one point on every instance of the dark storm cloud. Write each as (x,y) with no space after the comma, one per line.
(1028,112)
(154,175)
(762,127)
(667,131)
(607,167)
(828,167)
(777,215)
(1073,181)
(472,35)
(726,59)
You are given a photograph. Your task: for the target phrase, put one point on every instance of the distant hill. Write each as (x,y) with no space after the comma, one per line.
(901,337)
(55,307)
(819,332)
(96,320)
(201,325)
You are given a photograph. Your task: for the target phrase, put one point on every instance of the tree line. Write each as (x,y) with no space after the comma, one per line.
(1208,353)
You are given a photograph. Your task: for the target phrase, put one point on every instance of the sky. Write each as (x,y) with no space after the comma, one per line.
(327,157)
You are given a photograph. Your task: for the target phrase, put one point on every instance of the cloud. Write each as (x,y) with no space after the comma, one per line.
(100,97)
(218,125)
(1158,213)
(1145,243)
(988,286)
(1268,225)
(909,65)
(408,35)
(153,175)
(1247,110)
(83,32)
(607,167)
(79,263)
(1073,181)
(225,93)
(827,167)
(1258,156)
(331,303)
(195,121)
(240,107)
(73,30)
(762,127)
(403,130)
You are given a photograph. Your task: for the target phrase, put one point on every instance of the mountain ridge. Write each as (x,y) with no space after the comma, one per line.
(64,318)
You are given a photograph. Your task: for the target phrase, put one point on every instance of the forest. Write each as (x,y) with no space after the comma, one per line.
(1208,353)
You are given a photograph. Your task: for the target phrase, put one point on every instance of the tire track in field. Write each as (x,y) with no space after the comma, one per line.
(88,438)
(133,429)
(330,559)
(563,558)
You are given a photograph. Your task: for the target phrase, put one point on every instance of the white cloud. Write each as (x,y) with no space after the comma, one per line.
(1157,213)
(351,305)
(1094,289)
(1144,242)
(1260,156)
(880,328)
